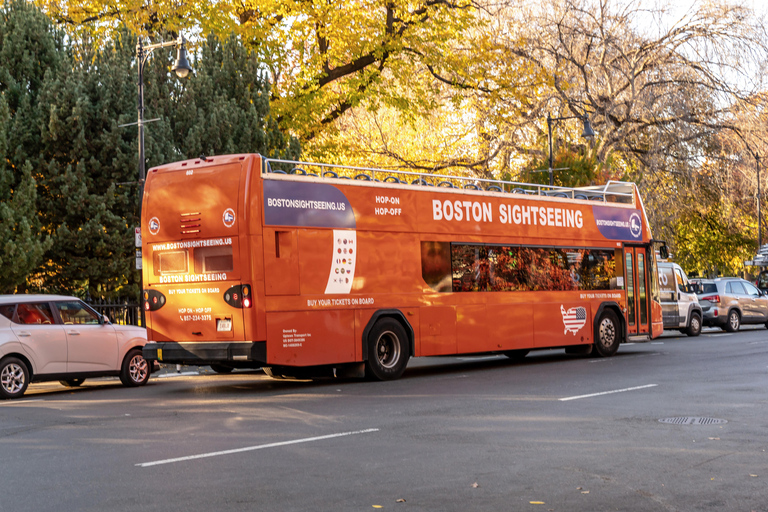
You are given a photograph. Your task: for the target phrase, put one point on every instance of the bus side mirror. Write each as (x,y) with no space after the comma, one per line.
(663,252)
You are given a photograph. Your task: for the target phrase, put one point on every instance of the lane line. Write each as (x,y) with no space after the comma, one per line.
(607,392)
(19,402)
(251,448)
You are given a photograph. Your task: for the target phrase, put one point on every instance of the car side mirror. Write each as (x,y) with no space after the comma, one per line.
(104,319)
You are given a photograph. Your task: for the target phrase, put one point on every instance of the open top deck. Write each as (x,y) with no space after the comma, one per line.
(612,191)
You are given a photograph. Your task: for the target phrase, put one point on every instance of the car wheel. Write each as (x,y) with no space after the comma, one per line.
(734,321)
(607,334)
(694,328)
(218,368)
(14,378)
(71,383)
(135,369)
(388,351)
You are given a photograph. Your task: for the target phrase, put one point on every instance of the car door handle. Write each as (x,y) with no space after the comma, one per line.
(24,333)
(74,333)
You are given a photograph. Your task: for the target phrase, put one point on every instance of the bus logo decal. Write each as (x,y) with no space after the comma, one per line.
(573,319)
(618,224)
(317,205)
(635,225)
(229,217)
(342,271)
(154,225)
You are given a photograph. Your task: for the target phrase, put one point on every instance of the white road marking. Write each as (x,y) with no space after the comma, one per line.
(607,392)
(720,335)
(17,402)
(251,448)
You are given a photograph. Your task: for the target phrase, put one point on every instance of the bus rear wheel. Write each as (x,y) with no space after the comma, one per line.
(607,334)
(388,350)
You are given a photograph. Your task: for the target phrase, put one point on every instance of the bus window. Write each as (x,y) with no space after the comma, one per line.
(213,259)
(170,262)
(436,265)
(504,269)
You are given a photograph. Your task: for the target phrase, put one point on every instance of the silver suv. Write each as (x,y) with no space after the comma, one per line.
(728,302)
(50,337)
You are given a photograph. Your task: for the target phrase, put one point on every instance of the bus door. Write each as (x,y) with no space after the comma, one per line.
(636,270)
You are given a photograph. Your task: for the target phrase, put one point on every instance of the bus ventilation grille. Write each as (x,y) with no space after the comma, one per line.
(191,223)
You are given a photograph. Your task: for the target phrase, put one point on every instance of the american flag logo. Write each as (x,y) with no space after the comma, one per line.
(573,319)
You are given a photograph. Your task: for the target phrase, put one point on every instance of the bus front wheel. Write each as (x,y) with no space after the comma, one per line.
(607,334)
(388,350)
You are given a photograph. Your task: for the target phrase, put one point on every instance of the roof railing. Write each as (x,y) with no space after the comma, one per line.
(613,191)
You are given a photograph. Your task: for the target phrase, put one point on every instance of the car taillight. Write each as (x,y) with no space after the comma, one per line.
(239,296)
(712,298)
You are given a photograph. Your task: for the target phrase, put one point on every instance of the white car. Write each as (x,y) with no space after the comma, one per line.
(52,337)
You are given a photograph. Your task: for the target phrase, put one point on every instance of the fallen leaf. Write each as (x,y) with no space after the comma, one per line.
(475,485)
(536,502)
(401,500)
(714,438)
(753,476)
(579,488)
(377,506)
(584,492)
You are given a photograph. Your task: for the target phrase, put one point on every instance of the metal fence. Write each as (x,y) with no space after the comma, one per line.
(122,311)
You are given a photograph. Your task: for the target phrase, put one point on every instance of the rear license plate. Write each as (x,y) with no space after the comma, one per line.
(223,324)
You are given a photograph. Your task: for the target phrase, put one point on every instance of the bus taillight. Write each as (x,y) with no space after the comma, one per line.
(153,300)
(239,296)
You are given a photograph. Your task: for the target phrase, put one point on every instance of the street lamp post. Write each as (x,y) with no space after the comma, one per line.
(759,215)
(588,133)
(182,68)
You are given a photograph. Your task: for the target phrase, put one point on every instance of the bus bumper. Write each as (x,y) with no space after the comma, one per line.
(247,354)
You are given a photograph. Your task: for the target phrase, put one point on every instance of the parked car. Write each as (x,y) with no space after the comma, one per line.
(762,281)
(679,304)
(729,302)
(52,337)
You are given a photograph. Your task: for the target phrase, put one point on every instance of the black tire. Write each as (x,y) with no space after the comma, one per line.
(135,370)
(273,372)
(516,355)
(694,328)
(388,350)
(14,378)
(218,368)
(607,334)
(734,321)
(72,383)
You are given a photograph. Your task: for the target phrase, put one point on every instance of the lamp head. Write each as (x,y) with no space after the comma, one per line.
(181,66)
(588,133)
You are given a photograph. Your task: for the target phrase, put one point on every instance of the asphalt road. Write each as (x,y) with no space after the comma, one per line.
(552,433)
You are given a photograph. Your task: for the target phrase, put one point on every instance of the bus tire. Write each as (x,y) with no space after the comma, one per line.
(14,378)
(135,370)
(607,334)
(694,327)
(273,372)
(388,350)
(516,355)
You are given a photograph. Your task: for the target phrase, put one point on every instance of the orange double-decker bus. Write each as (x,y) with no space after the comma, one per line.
(303,272)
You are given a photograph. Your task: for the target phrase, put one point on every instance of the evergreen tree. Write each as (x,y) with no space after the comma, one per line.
(29,48)
(73,171)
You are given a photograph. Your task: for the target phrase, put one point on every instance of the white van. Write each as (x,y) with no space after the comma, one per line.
(679,304)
